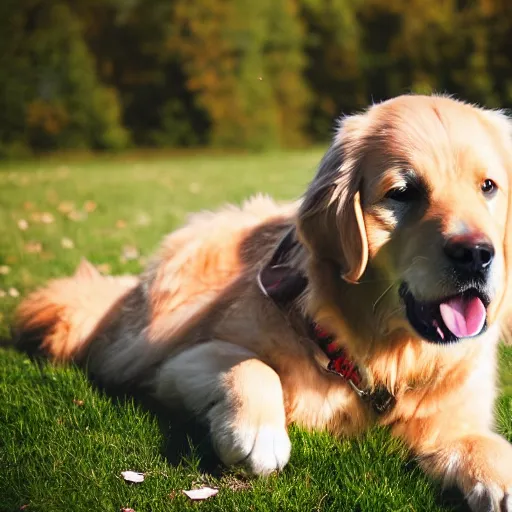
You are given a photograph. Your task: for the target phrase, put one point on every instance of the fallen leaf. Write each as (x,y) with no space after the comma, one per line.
(130,252)
(4,270)
(120,224)
(77,216)
(27,205)
(66,207)
(104,268)
(90,206)
(133,476)
(194,188)
(201,494)
(67,243)
(78,402)
(13,292)
(22,224)
(36,217)
(47,218)
(33,247)
(24,507)
(143,219)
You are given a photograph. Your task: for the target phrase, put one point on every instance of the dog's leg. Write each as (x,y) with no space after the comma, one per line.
(239,395)
(478,462)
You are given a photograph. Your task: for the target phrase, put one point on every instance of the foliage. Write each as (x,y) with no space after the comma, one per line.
(239,73)
(50,93)
(243,60)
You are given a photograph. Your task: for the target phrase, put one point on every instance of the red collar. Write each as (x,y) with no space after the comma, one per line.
(339,360)
(283,284)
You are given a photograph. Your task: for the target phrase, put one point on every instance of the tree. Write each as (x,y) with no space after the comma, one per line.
(49,92)
(243,61)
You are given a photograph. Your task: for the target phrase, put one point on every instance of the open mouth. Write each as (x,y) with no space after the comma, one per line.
(448,320)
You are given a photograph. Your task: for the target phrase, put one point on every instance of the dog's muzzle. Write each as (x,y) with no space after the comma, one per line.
(450,319)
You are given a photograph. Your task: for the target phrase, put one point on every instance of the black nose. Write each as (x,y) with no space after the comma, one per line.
(469,254)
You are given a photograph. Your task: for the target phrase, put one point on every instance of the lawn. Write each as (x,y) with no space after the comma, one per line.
(63,443)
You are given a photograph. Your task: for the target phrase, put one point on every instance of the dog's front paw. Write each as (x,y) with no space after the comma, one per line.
(483,468)
(489,498)
(263,447)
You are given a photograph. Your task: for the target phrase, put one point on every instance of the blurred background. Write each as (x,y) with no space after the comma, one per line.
(252,74)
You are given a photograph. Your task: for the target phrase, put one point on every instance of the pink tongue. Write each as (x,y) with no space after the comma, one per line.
(464,316)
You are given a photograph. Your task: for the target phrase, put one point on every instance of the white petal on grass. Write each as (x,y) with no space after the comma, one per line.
(67,243)
(201,494)
(133,476)
(22,224)
(4,270)
(2,294)
(130,252)
(13,292)
(143,219)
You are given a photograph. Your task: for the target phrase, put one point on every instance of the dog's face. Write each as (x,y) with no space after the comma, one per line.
(415,193)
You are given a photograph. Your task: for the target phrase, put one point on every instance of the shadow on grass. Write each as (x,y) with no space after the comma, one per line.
(186,438)
(450,498)
(183,436)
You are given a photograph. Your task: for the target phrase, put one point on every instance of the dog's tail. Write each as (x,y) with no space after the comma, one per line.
(60,319)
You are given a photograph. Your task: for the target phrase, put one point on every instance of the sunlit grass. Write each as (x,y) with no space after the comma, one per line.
(63,443)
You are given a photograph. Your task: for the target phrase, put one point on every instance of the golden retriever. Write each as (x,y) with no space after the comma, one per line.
(377,298)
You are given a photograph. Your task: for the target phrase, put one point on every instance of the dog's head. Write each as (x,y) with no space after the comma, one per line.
(412,201)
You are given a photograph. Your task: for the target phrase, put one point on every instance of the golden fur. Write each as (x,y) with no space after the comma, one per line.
(197,330)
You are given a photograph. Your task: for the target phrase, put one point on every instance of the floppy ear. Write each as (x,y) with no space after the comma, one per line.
(330,221)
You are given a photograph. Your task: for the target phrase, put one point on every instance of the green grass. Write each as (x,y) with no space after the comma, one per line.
(59,454)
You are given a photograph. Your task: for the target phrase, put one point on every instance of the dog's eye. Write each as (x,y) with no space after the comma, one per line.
(403,194)
(489,188)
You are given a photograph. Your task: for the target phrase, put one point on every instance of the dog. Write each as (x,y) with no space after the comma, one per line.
(379,297)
